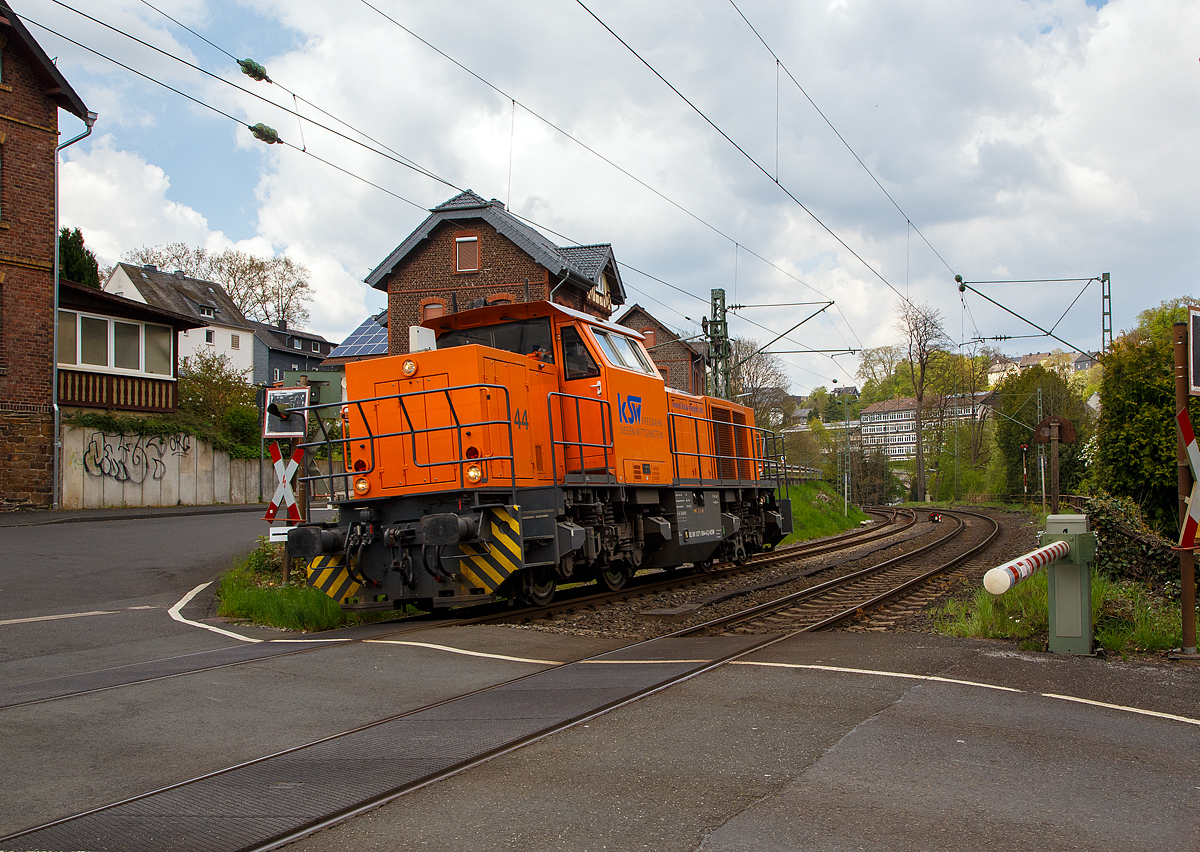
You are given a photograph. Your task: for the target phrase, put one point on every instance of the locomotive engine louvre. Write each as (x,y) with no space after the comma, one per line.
(535,444)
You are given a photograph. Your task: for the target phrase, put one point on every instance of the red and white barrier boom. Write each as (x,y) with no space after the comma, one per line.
(999,580)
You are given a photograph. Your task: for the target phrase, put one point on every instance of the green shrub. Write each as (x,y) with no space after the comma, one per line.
(1127,548)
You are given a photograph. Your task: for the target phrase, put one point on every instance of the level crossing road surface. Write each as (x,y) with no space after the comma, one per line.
(127,571)
(825,742)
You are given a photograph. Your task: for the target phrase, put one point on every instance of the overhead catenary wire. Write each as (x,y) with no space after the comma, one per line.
(303,148)
(399,159)
(608,161)
(742,151)
(780,64)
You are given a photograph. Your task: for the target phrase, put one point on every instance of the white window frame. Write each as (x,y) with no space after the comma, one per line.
(207,312)
(458,267)
(210,337)
(78,365)
(297,343)
(316,347)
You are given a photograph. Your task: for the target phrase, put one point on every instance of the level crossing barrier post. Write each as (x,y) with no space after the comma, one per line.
(1067,551)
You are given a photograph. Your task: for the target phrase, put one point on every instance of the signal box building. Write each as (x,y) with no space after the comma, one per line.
(32,91)
(470,253)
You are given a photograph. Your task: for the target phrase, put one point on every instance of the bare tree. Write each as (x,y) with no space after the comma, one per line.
(761,383)
(921,327)
(877,365)
(266,289)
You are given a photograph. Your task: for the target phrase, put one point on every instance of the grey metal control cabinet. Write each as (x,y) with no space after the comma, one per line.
(1070,584)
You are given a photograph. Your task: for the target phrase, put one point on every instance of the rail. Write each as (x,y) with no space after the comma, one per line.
(352,461)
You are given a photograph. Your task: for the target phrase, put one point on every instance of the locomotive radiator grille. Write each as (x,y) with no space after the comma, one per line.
(489,563)
(329,575)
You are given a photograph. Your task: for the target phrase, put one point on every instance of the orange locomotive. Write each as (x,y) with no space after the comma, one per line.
(535,444)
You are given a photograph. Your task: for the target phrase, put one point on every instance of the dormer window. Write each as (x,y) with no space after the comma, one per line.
(207,312)
(466,254)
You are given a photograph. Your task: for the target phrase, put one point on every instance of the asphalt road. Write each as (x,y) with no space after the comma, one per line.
(129,571)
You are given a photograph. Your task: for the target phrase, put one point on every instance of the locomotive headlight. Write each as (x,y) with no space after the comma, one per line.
(409,368)
(474,473)
(361,486)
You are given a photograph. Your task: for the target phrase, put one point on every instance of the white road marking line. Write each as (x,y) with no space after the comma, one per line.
(1139,711)
(1121,707)
(57,617)
(307,641)
(174,613)
(640,662)
(461,651)
(877,673)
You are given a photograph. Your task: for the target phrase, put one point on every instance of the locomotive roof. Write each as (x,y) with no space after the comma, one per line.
(492,314)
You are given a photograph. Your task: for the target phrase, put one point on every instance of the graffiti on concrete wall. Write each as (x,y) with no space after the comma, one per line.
(132,458)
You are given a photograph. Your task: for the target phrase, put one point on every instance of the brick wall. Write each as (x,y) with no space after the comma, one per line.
(427,275)
(26,277)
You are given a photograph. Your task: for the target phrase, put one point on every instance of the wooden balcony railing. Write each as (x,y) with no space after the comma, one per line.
(121,393)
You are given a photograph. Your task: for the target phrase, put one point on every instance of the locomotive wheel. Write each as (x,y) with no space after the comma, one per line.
(538,586)
(611,578)
(704,566)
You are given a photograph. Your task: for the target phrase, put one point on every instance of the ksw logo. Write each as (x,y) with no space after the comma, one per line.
(630,410)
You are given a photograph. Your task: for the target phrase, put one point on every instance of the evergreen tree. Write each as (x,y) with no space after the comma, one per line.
(76,262)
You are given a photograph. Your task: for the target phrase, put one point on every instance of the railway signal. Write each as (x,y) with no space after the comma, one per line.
(284,496)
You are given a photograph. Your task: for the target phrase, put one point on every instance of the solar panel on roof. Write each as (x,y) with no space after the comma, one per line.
(370,338)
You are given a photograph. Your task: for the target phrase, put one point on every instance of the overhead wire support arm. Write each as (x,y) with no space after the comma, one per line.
(817,312)
(963,286)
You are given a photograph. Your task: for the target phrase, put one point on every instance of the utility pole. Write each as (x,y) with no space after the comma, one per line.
(1106,334)
(1041,453)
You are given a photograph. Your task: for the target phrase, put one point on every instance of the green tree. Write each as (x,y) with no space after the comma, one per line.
(76,262)
(1016,407)
(211,387)
(1136,433)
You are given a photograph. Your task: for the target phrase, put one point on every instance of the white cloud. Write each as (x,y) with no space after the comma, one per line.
(1025,139)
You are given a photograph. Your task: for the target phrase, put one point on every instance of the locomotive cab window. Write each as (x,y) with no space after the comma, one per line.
(578,363)
(531,337)
(622,351)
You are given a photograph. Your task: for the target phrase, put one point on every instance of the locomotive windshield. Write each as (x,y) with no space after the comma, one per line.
(528,337)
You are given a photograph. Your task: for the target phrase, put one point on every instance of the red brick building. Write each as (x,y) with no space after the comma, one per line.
(32,91)
(471,252)
(681,362)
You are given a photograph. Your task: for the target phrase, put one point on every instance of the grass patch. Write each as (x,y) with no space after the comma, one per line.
(253,591)
(817,512)
(1127,616)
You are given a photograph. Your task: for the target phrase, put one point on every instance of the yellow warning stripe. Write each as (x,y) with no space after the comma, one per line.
(483,568)
(329,575)
(508,519)
(509,544)
(476,580)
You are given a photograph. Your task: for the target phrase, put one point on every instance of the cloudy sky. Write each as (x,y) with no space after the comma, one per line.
(1035,139)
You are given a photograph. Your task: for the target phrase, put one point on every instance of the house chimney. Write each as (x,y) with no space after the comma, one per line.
(281,325)
(179,273)
(150,267)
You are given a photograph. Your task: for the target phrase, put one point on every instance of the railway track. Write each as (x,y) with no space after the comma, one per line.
(83,683)
(836,601)
(196,814)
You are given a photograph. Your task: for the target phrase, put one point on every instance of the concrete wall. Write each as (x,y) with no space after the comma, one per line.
(105,469)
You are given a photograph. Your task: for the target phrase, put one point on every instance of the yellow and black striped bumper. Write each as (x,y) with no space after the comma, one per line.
(329,575)
(500,553)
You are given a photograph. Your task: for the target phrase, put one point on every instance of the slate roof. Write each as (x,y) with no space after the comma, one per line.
(277,338)
(370,338)
(581,264)
(176,292)
(57,86)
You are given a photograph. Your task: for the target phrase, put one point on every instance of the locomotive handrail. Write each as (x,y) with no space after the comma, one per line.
(458,426)
(606,435)
(763,462)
